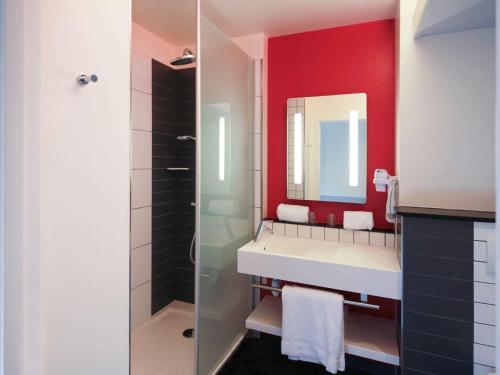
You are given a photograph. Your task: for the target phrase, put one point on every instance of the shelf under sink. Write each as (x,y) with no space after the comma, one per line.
(365,336)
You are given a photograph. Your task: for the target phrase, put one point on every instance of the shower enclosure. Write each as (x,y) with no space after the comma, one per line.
(200,105)
(224,193)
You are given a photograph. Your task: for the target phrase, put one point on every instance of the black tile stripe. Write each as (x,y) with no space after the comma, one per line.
(173,191)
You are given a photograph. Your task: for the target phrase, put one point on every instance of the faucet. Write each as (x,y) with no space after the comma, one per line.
(260,230)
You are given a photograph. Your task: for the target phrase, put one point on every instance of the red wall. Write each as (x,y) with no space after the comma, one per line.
(342,60)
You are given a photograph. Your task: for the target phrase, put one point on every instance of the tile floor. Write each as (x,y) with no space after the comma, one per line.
(158,347)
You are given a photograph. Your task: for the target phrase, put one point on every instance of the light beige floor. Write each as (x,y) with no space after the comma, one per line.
(158,347)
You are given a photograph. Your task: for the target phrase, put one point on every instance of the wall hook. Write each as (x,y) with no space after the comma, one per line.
(85,79)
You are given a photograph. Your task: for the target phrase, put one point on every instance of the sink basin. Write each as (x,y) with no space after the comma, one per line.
(343,266)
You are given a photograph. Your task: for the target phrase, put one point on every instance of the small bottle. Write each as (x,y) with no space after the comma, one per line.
(312,218)
(330,220)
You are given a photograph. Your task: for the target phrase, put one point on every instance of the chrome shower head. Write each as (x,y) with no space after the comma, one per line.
(187,57)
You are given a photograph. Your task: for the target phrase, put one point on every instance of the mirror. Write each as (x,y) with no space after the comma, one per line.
(326,148)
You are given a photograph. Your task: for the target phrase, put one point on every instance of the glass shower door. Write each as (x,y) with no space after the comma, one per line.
(224,194)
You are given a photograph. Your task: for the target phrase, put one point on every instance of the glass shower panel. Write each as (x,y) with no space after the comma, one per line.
(225,194)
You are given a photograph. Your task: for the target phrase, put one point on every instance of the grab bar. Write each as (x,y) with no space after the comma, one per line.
(178,169)
(346,302)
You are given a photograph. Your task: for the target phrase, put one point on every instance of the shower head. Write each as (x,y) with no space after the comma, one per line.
(187,57)
(185,138)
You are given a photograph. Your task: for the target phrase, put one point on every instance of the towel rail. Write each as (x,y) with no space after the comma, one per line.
(346,302)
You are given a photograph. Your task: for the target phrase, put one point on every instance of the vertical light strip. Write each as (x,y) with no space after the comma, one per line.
(353,148)
(298,148)
(222,147)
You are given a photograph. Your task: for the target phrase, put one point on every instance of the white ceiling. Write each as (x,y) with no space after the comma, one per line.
(280,17)
(172,20)
(175,20)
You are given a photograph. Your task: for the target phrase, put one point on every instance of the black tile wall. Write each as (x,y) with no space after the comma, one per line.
(437,308)
(173,191)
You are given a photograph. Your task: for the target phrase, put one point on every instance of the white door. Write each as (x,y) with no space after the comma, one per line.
(78,207)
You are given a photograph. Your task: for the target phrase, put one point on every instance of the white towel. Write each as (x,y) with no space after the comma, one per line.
(293,213)
(358,220)
(390,206)
(313,327)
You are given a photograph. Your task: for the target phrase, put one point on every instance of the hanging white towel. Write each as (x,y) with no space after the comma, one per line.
(313,327)
(390,206)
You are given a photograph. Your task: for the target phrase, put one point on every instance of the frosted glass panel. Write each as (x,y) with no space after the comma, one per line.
(226,194)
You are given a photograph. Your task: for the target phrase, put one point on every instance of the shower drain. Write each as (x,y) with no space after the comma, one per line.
(188,333)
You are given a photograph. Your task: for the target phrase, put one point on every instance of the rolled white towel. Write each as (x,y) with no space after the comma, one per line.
(358,220)
(293,213)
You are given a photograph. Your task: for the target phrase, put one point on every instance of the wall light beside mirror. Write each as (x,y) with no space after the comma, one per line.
(326,148)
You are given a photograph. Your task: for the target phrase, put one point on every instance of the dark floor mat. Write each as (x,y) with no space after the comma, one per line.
(262,356)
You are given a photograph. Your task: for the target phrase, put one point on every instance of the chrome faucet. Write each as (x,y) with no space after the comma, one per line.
(260,231)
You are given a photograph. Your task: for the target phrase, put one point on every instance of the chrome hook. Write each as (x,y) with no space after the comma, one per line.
(85,79)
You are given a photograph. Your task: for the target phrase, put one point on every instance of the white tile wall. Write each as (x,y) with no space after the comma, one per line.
(317,233)
(484,334)
(480,251)
(257,187)
(257,142)
(140,266)
(361,237)
(346,235)
(291,230)
(279,229)
(257,217)
(390,240)
(141,192)
(304,231)
(257,114)
(257,156)
(141,150)
(484,301)
(484,355)
(484,313)
(377,239)
(140,222)
(332,234)
(294,191)
(142,107)
(480,273)
(141,72)
(484,293)
(483,370)
(140,304)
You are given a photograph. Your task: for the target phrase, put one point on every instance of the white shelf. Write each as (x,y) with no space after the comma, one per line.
(365,336)
(434,17)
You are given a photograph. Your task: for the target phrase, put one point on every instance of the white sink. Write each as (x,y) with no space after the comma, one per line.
(350,267)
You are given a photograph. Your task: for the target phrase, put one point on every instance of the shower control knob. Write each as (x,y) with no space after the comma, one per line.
(85,79)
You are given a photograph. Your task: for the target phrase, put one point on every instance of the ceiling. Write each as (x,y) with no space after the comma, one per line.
(175,20)
(172,20)
(280,17)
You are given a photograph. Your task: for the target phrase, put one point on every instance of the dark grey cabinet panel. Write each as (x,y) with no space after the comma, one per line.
(438,291)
